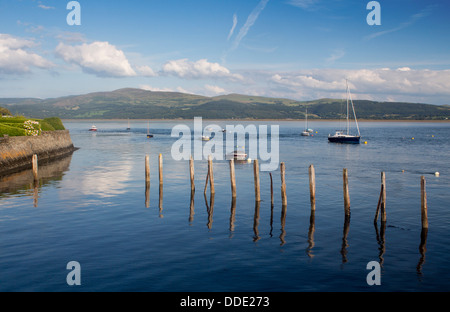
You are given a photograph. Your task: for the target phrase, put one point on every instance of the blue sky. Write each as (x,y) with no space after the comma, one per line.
(297,49)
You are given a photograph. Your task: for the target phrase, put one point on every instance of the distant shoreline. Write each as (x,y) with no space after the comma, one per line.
(294,120)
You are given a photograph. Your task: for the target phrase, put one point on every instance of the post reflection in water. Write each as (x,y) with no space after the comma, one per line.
(312,228)
(256,237)
(147,194)
(160,200)
(283,223)
(191,208)
(209,210)
(271,220)
(344,239)
(381,241)
(36,193)
(422,250)
(25,181)
(232,216)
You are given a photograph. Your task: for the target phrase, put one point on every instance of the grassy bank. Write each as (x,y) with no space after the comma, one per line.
(22,126)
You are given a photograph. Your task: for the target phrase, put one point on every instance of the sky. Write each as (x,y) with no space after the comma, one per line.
(295,49)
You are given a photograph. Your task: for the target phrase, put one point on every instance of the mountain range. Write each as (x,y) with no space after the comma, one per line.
(142,104)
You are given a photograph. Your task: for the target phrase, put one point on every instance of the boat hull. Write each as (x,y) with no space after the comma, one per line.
(345,139)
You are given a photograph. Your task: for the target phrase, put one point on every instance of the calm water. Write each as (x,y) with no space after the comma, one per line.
(91,208)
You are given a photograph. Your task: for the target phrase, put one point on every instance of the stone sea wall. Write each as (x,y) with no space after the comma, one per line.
(16,152)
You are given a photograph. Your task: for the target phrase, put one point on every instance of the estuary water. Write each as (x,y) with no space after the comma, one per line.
(92,207)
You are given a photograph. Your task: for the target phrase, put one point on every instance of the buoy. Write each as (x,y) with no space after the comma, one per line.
(365,142)
(403,171)
(412,138)
(436,174)
(432,136)
(249,160)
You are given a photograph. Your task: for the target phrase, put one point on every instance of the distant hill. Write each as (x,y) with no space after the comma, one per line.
(142,104)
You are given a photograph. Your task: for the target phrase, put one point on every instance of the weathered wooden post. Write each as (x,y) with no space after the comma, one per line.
(256,179)
(147,181)
(312,187)
(34,162)
(211,175)
(232,179)
(191,170)
(160,169)
(147,169)
(381,200)
(271,189)
(283,184)
(346,193)
(191,207)
(423,193)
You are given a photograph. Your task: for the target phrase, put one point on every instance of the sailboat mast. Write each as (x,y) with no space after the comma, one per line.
(306,119)
(354,114)
(348,124)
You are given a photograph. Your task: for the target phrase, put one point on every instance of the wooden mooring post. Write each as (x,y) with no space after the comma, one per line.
(210,176)
(147,169)
(424,205)
(256,178)
(312,187)
(271,189)
(346,193)
(191,171)
(34,163)
(160,158)
(232,179)
(283,184)
(381,206)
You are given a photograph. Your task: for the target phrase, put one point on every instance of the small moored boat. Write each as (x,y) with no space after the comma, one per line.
(344,136)
(93,128)
(237,155)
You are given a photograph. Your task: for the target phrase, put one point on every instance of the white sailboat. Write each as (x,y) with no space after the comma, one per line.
(344,136)
(307,131)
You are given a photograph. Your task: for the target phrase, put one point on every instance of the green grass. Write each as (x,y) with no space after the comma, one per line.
(14,126)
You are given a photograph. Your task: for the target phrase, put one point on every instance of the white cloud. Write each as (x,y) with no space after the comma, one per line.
(15,57)
(304,4)
(214,90)
(200,69)
(155,89)
(252,18)
(146,71)
(98,58)
(233,27)
(45,7)
(381,84)
(336,55)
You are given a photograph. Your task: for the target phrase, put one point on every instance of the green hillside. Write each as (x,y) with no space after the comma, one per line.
(142,104)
